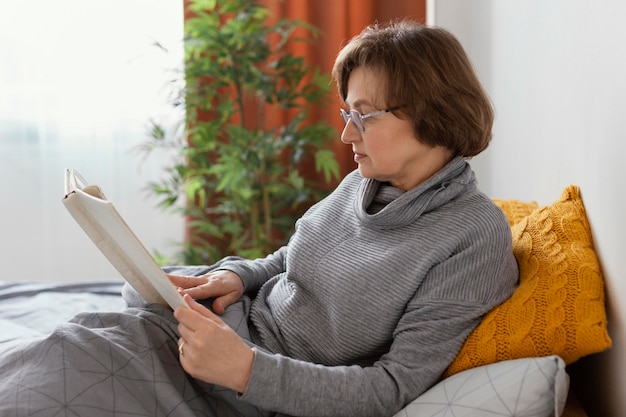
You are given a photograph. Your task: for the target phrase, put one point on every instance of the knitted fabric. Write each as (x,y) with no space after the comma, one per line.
(515,210)
(374,294)
(558,307)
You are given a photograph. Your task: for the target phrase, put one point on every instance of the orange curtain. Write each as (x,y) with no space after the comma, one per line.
(338,21)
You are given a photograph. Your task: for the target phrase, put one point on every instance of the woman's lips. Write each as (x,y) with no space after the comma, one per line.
(359,157)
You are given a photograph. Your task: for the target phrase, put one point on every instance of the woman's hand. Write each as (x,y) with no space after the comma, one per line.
(210,350)
(224,286)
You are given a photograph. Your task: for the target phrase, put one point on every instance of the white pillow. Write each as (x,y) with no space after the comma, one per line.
(532,387)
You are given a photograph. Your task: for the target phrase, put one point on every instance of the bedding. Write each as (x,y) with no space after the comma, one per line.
(526,387)
(535,384)
(29,311)
(107,360)
(33,309)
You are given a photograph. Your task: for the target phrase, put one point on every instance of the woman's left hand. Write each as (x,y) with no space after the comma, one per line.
(210,350)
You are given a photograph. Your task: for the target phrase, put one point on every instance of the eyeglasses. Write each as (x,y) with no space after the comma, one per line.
(357,118)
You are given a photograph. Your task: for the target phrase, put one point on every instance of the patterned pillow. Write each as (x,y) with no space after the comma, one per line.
(558,308)
(522,387)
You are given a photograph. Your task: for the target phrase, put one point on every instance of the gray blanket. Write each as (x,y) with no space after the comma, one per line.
(111,364)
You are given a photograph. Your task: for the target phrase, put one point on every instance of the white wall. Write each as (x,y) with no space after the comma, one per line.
(79,82)
(556,71)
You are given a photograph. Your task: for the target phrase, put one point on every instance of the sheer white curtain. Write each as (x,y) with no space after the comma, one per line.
(79,81)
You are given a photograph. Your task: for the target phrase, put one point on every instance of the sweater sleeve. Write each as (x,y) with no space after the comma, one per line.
(453,297)
(254,273)
(426,339)
(418,356)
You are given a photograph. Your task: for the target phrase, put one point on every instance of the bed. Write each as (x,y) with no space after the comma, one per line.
(33,309)
(513,364)
(101,357)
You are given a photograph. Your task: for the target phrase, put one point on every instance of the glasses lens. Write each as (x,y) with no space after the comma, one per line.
(344,115)
(356,118)
(353,116)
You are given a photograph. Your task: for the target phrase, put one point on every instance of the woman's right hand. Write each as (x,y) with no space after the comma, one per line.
(225,287)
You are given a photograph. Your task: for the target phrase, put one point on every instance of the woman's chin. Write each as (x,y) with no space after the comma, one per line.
(366,172)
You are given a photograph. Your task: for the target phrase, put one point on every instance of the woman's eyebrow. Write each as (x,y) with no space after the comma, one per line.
(359,103)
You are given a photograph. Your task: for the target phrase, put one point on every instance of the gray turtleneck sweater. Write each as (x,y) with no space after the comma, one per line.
(374,294)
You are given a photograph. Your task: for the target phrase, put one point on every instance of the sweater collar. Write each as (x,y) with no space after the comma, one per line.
(381,206)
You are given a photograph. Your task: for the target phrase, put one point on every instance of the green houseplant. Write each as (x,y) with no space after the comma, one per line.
(241,175)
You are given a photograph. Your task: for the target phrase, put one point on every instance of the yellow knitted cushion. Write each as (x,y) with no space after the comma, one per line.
(558,307)
(515,210)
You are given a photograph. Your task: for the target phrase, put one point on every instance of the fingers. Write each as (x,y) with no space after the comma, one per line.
(193,316)
(194,323)
(185,281)
(211,351)
(224,286)
(220,303)
(201,287)
(197,307)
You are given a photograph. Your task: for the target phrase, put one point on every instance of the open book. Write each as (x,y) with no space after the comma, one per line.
(105,227)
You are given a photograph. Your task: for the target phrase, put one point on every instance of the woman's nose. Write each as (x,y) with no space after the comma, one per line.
(350,133)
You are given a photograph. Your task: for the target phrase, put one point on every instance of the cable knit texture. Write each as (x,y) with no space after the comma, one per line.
(558,307)
(515,210)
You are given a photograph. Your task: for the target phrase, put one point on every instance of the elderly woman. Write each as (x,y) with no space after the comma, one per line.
(378,287)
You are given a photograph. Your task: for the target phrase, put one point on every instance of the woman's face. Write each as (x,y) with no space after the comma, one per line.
(388,150)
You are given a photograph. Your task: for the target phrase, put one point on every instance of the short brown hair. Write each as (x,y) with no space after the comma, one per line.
(426,71)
